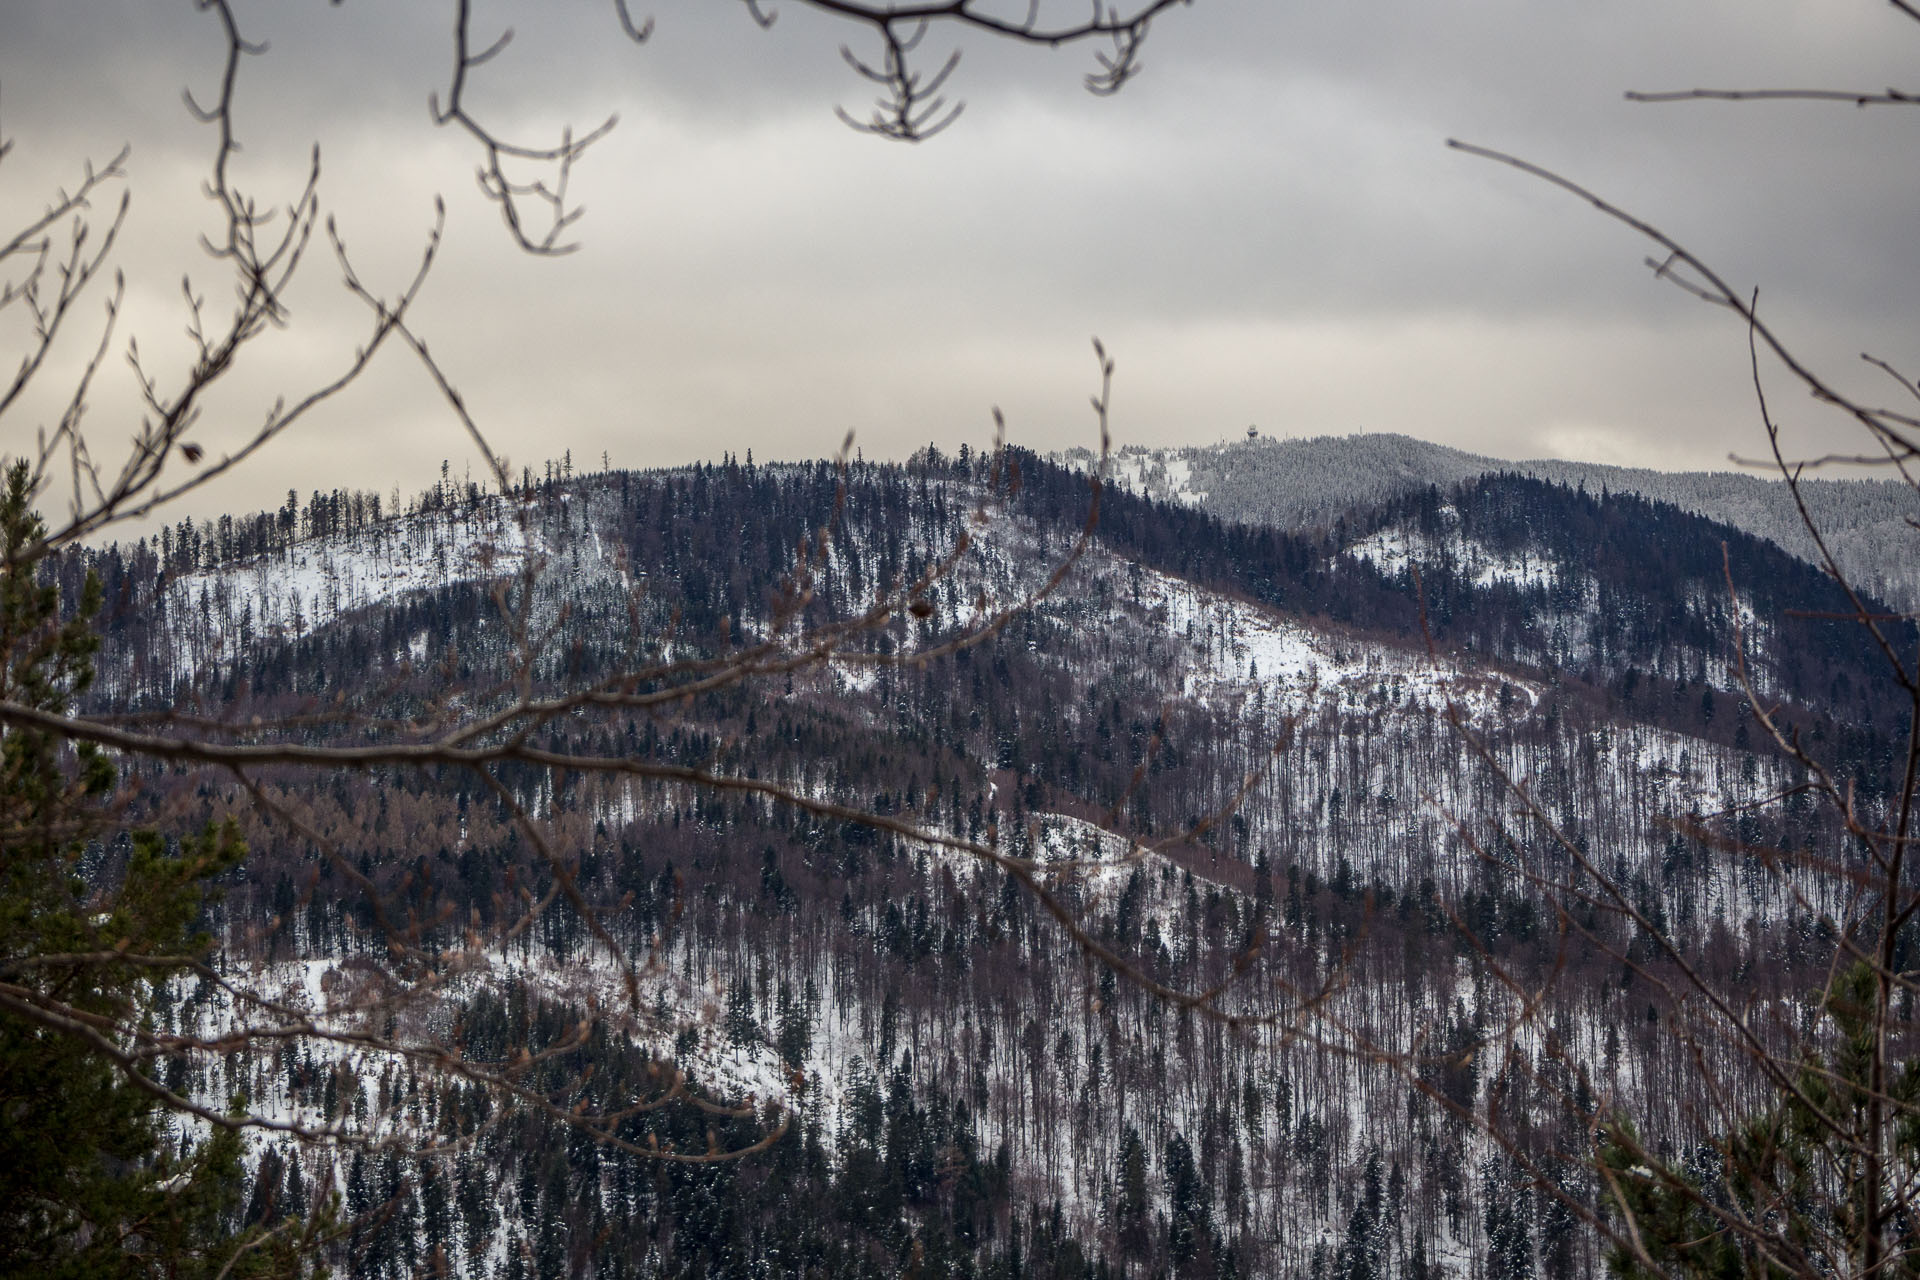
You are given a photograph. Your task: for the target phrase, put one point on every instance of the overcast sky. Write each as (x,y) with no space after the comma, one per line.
(1265,227)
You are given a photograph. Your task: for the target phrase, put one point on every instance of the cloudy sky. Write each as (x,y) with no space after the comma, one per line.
(1265,227)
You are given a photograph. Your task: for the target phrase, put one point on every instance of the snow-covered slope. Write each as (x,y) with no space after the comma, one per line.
(289,593)
(1188,770)
(1311,482)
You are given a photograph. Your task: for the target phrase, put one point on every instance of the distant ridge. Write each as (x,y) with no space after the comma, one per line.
(1311,483)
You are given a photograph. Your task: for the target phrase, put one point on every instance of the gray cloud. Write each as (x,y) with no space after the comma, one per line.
(1265,227)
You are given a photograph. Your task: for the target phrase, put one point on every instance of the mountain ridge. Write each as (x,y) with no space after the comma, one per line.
(960,1085)
(1310,482)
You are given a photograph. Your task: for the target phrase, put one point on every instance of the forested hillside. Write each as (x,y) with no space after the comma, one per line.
(1277,758)
(1312,483)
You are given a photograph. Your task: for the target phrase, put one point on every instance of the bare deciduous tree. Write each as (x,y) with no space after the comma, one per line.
(1799,1152)
(525,714)
(912,105)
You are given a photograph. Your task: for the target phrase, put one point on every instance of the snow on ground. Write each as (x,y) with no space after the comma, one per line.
(856,677)
(306,586)
(1238,651)
(1179,483)
(1242,648)
(1159,474)
(214,615)
(1394,550)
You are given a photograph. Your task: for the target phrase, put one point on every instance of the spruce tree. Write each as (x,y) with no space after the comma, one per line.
(89,1184)
(1785,1193)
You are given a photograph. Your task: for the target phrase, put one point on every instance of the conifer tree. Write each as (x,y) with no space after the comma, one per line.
(1787,1192)
(90,1185)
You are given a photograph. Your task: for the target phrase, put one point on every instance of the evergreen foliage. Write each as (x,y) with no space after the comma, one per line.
(93,1182)
(1785,1194)
(991,1059)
